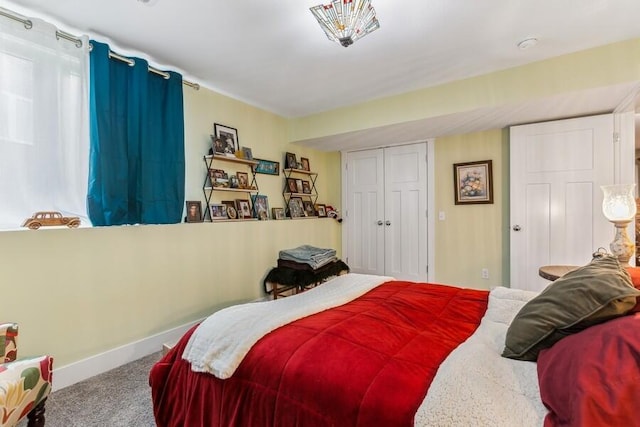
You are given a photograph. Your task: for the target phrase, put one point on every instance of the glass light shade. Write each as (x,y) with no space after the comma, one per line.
(345,21)
(618,203)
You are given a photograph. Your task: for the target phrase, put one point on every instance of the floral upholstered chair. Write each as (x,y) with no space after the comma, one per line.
(24,383)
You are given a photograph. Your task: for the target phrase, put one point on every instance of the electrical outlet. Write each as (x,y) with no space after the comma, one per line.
(485,273)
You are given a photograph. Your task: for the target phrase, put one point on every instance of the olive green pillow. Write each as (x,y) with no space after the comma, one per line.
(594,293)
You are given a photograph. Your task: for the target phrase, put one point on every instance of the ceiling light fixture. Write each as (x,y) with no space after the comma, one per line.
(345,21)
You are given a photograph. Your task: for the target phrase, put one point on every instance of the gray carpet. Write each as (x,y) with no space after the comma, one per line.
(118,398)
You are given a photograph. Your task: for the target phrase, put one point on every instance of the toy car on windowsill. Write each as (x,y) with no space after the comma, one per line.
(46,218)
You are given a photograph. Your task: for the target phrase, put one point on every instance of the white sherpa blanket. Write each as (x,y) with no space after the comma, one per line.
(221,341)
(475,386)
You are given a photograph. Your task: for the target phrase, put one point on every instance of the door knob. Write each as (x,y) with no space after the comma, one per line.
(516,228)
(379,222)
(387,223)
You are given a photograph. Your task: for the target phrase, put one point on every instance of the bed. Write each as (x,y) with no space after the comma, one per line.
(358,350)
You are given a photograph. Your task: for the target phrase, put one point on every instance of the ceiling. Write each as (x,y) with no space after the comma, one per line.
(274,55)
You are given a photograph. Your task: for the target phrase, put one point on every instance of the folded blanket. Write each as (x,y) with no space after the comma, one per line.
(315,257)
(221,341)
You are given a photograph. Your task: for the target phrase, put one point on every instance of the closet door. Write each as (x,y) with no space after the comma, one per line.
(386,212)
(405,221)
(364,216)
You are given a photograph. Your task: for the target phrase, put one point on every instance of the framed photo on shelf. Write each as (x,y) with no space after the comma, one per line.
(233,181)
(243,208)
(292,186)
(230,137)
(246,153)
(308,208)
(277,213)
(473,183)
(243,179)
(296,208)
(305,163)
(306,188)
(217,211)
(194,211)
(218,145)
(290,161)
(267,167)
(260,206)
(299,187)
(321,209)
(232,213)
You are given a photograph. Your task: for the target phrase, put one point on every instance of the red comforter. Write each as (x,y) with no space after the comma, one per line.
(368,362)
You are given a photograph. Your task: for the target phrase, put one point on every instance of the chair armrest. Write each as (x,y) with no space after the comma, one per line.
(8,342)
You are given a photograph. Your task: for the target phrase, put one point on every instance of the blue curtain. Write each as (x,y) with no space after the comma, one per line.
(136,170)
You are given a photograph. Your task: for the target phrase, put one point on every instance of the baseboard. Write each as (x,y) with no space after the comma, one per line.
(103,362)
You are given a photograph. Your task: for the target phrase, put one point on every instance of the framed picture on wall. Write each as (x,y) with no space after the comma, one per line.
(473,183)
(230,137)
(267,167)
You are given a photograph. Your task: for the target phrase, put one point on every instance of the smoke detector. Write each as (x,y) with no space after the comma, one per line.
(526,43)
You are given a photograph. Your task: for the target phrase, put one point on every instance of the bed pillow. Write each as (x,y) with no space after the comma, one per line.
(592,378)
(594,293)
(634,272)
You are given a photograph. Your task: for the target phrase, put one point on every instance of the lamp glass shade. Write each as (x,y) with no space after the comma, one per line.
(619,203)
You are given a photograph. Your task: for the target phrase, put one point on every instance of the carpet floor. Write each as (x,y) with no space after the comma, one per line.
(117,398)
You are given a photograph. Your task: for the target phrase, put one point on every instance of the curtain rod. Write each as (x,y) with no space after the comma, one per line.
(78,42)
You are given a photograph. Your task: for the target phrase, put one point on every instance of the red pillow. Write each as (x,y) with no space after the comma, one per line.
(592,378)
(634,272)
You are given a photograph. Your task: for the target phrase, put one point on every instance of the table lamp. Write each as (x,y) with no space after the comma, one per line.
(619,206)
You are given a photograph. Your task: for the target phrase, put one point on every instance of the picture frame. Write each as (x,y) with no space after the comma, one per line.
(306,187)
(292,186)
(217,145)
(243,179)
(218,178)
(299,187)
(290,161)
(277,213)
(229,135)
(193,211)
(296,208)
(321,209)
(473,182)
(260,206)
(309,209)
(243,208)
(217,211)
(232,212)
(305,164)
(246,153)
(266,167)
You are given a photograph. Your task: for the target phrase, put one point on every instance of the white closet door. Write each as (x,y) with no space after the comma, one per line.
(557,169)
(386,212)
(364,220)
(406,212)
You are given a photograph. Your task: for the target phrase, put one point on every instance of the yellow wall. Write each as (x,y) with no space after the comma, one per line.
(78,293)
(472,237)
(594,68)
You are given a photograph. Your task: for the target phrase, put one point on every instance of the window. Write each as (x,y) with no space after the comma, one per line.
(44,139)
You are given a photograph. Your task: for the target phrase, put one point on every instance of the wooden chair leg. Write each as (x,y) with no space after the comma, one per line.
(36,416)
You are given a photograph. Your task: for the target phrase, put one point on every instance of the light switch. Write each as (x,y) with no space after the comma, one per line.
(441,215)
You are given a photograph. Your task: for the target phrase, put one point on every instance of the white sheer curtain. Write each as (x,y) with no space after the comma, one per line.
(44,136)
